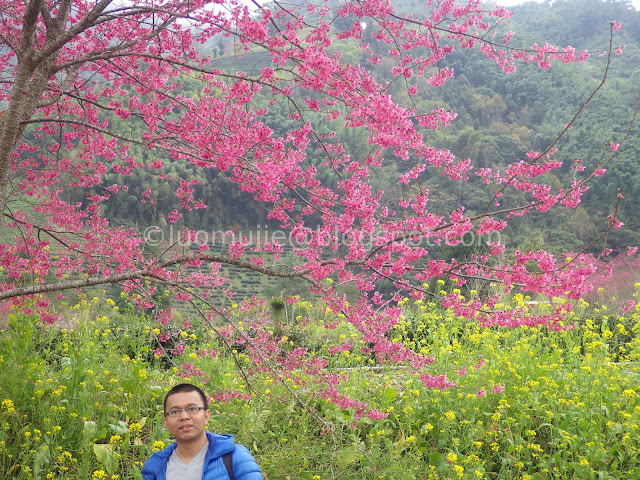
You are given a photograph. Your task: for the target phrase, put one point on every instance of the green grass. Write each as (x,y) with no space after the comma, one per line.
(83,399)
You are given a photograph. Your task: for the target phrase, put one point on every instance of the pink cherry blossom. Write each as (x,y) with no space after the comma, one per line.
(101,88)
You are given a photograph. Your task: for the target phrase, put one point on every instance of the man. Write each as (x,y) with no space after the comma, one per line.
(196,454)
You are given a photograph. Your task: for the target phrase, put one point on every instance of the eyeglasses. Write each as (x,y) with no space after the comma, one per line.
(176,412)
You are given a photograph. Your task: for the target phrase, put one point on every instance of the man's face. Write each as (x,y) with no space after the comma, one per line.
(186,427)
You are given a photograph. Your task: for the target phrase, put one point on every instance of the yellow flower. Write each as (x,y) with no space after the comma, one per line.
(629,394)
(158,445)
(135,427)
(99,475)
(8,405)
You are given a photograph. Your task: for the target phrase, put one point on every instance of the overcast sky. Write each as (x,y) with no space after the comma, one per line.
(510,3)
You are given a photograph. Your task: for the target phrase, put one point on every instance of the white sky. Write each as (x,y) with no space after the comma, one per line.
(510,3)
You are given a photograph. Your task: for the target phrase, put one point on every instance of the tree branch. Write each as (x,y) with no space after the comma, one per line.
(144,273)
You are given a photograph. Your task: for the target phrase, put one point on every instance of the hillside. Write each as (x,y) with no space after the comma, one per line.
(500,117)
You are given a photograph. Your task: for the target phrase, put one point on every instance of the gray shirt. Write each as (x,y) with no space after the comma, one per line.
(178,470)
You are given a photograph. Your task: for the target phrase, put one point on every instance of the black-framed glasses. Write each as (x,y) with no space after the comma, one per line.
(176,412)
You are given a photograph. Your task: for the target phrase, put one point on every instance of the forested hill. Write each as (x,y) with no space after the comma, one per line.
(500,118)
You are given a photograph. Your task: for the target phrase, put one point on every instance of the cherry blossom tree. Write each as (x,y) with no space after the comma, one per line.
(86,82)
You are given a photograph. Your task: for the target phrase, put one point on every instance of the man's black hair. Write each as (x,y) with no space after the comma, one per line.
(185,387)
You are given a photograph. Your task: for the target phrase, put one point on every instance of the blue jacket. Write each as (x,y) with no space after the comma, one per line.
(244,466)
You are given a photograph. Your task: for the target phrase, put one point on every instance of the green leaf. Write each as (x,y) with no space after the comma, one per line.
(120,428)
(347,456)
(89,431)
(42,456)
(107,457)
(400,444)
(435,459)
(390,394)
